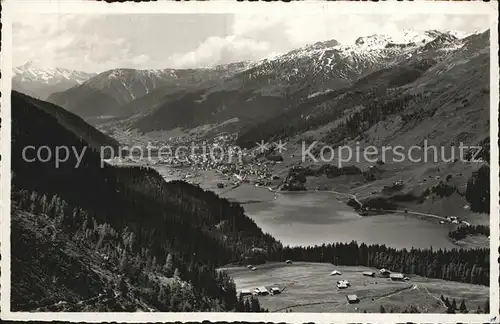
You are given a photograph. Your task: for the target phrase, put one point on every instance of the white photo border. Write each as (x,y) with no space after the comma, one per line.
(311,7)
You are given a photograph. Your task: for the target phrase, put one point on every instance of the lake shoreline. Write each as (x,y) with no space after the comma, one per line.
(281,214)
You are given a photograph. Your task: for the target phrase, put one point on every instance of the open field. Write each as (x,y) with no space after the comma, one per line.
(308,287)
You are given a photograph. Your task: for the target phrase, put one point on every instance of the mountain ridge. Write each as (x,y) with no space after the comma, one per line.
(42,82)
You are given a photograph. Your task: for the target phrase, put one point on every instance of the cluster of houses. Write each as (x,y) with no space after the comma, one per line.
(260,291)
(384,273)
(395,276)
(454,220)
(341,284)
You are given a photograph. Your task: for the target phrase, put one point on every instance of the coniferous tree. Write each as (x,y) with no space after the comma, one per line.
(122,286)
(247,306)
(463,308)
(169,265)
(454,304)
(486,306)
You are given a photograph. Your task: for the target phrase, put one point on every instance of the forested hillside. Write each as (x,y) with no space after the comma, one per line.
(92,223)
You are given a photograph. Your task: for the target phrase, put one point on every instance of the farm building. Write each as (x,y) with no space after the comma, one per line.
(288,261)
(397,276)
(346,282)
(352,299)
(275,291)
(385,272)
(245,292)
(261,291)
(369,273)
(335,273)
(341,285)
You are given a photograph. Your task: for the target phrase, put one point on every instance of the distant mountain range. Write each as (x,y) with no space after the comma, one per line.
(113,92)
(244,94)
(442,79)
(40,83)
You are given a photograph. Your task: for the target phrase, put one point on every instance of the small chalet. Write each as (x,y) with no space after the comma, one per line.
(369,273)
(245,292)
(262,291)
(352,299)
(341,285)
(335,273)
(345,282)
(385,272)
(397,276)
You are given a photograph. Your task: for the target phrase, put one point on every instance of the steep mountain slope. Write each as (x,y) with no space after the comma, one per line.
(41,83)
(113,92)
(427,106)
(103,238)
(275,85)
(391,93)
(86,133)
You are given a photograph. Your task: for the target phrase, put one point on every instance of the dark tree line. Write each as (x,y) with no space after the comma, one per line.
(462,232)
(478,190)
(453,307)
(469,266)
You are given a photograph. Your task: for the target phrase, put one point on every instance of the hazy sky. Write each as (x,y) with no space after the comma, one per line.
(95,43)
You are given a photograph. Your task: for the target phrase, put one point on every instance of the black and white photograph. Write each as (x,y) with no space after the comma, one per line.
(218,158)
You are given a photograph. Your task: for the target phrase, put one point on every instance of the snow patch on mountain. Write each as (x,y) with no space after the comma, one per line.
(323,61)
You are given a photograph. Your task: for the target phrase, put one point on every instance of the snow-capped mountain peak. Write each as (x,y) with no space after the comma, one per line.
(29,72)
(379,41)
(329,64)
(41,82)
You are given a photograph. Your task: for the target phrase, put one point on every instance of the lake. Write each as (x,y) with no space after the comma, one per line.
(309,218)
